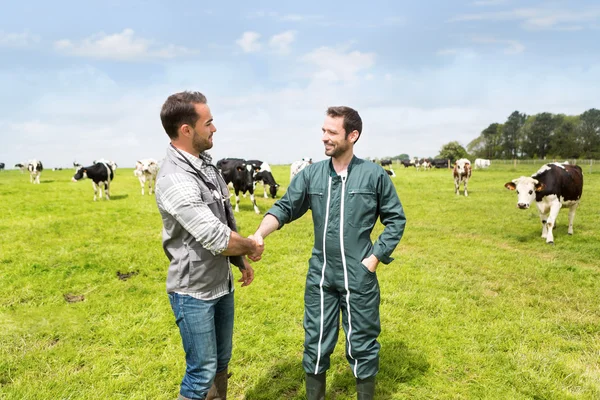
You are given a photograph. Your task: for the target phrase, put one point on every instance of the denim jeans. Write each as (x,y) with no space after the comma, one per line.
(206,328)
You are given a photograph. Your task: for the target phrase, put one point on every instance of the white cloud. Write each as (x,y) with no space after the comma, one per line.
(512,46)
(25,39)
(281,42)
(335,65)
(124,46)
(249,42)
(536,18)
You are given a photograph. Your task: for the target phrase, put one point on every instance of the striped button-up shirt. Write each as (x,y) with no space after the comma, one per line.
(183,200)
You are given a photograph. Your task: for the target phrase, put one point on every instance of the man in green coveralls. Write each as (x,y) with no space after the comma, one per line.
(346,195)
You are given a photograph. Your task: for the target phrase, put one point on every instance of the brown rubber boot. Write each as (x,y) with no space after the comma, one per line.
(218,391)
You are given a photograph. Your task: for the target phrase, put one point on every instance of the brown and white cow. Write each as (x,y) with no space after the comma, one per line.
(146,170)
(462,173)
(552,186)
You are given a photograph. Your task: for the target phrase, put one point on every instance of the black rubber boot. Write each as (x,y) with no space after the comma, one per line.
(315,386)
(365,388)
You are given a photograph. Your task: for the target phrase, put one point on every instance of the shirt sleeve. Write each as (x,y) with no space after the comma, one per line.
(294,203)
(180,196)
(392,217)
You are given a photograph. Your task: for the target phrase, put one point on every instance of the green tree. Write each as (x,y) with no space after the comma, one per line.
(589,133)
(511,134)
(453,151)
(564,143)
(538,133)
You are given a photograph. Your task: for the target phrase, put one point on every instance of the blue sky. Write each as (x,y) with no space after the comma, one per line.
(86,80)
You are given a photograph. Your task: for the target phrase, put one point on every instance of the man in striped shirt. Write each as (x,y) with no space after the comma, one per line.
(200,240)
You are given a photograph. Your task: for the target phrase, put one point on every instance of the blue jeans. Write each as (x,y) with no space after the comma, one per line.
(206,328)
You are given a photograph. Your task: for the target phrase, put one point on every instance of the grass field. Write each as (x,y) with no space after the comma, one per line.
(476,305)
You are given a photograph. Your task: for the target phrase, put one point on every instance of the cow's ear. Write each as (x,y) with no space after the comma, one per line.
(510,186)
(539,187)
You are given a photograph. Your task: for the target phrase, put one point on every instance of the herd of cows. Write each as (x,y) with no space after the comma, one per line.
(553,186)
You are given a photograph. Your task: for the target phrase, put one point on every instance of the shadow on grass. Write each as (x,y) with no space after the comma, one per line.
(285,380)
(398,365)
(119,197)
(47,181)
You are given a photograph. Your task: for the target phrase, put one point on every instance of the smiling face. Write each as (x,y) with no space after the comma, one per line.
(202,135)
(336,142)
(525,188)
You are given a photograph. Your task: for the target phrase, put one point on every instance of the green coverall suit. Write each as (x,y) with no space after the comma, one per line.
(344,212)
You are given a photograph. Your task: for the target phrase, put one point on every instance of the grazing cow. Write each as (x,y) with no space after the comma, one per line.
(146,170)
(552,186)
(408,163)
(2,165)
(21,166)
(482,163)
(264,174)
(35,169)
(100,173)
(298,166)
(440,163)
(390,172)
(425,164)
(241,174)
(385,162)
(462,173)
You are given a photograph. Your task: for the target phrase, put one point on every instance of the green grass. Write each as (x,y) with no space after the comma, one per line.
(476,305)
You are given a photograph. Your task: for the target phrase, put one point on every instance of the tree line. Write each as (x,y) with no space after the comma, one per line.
(544,136)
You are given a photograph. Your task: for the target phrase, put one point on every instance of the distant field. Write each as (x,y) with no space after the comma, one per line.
(476,305)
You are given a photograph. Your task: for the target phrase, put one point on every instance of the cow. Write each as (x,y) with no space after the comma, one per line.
(390,172)
(264,174)
(241,174)
(385,162)
(424,164)
(111,164)
(21,166)
(482,163)
(35,169)
(2,165)
(407,163)
(462,173)
(298,166)
(101,175)
(146,170)
(552,186)
(440,163)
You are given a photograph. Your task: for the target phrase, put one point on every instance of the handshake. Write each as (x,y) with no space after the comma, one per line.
(259,247)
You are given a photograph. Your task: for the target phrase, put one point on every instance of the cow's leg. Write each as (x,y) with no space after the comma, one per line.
(543,211)
(456,185)
(237,200)
(107,189)
(151,184)
(572,209)
(554,209)
(265,190)
(95,190)
(256,210)
(465,184)
(142,183)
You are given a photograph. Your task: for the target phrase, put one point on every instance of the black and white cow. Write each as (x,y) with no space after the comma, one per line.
(35,169)
(241,174)
(146,171)
(408,163)
(101,174)
(111,164)
(385,162)
(552,186)
(461,173)
(298,166)
(21,166)
(264,174)
(2,165)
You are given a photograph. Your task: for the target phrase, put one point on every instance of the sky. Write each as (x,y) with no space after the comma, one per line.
(82,80)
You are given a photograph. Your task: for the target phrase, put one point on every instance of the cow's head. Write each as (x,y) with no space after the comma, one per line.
(462,166)
(525,187)
(146,166)
(80,174)
(273,190)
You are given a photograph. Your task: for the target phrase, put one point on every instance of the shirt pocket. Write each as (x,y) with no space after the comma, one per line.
(362,207)
(317,206)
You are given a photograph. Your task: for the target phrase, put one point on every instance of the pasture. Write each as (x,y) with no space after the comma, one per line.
(476,305)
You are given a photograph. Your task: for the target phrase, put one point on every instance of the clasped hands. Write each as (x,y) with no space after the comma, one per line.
(260,247)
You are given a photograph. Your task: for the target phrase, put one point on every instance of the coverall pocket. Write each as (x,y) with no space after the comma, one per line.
(362,205)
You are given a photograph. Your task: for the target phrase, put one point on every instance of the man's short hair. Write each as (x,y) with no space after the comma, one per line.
(178,110)
(352,121)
